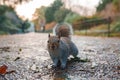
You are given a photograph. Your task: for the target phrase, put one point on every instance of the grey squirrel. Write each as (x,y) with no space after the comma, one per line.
(60,46)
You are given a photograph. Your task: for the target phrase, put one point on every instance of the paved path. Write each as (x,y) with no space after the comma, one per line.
(27,55)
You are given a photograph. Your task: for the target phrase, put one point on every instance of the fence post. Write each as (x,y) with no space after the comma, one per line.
(109,21)
(86,31)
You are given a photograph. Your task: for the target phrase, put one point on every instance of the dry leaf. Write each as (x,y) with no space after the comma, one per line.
(3,69)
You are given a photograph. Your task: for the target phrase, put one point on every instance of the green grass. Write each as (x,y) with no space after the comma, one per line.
(3,33)
(101,30)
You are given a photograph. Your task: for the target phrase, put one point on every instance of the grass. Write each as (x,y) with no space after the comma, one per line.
(101,30)
(3,33)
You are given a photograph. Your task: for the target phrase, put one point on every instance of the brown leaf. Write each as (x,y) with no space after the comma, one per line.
(3,69)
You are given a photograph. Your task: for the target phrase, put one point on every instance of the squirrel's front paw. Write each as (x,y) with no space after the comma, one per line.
(63,67)
(54,66)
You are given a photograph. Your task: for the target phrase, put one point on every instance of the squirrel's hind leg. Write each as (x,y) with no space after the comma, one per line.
(73,50)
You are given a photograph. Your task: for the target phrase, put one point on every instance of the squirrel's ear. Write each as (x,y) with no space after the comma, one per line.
(49,35)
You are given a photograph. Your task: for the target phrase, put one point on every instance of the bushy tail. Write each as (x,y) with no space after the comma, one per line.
(63,30)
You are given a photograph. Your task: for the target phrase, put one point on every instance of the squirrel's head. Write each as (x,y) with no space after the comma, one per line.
(53,42)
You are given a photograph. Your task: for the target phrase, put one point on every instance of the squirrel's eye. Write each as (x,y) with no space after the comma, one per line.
(48,41)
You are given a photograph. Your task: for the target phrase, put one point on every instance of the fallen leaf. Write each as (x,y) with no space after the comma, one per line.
(3,69)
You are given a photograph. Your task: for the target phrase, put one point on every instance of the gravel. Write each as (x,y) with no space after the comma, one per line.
(27,55)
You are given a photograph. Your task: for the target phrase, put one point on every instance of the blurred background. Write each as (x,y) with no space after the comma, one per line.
(88,17)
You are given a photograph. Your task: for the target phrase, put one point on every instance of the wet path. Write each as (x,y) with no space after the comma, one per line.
(27,55)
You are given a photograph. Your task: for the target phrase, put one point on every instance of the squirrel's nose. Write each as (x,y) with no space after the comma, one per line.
(53,46)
